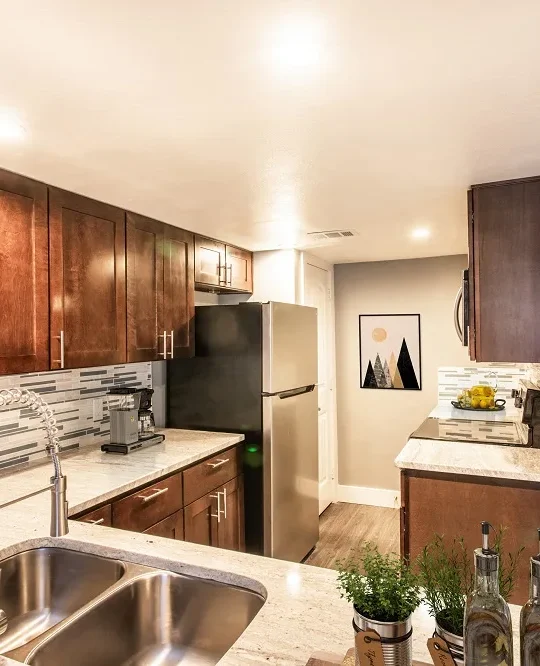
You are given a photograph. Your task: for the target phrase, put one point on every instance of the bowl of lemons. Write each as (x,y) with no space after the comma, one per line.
(479,398)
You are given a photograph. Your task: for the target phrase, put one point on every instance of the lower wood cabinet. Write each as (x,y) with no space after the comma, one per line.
(454,506)
(171,527)
(173,506)
(217,519)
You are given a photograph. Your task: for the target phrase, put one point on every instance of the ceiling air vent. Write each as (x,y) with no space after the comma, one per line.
(318,236)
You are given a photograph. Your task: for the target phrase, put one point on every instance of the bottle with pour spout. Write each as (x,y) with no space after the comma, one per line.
(530,617)
(487,622)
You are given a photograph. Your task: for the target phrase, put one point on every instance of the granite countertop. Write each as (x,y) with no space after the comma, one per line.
(303,612)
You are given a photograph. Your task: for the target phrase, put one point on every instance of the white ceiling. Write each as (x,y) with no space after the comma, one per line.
(256,121)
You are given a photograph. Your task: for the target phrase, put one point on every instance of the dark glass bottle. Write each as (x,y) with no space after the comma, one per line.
(530,618)
(487,623)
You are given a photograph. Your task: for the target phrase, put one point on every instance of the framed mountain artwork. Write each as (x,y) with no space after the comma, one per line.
(390,355)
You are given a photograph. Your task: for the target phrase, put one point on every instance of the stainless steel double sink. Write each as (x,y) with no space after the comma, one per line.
(69,608)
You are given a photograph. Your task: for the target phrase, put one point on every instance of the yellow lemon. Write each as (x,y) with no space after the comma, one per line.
(488,391)
(483,404)
(475,402)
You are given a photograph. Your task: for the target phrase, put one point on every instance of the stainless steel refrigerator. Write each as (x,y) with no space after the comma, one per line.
(255,372)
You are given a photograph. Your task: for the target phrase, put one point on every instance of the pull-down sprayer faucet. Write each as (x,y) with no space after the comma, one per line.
(57,486)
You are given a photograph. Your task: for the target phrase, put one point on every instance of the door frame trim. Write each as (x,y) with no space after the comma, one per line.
(305,259)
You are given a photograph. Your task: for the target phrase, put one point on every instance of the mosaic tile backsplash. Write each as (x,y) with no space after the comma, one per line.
(77,400)
(453,379)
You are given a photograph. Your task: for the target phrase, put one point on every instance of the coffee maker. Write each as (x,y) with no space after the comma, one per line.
(132,420)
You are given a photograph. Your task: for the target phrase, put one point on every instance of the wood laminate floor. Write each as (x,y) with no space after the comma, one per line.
(345,527)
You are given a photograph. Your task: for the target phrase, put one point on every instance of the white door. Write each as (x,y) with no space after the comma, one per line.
(317,294)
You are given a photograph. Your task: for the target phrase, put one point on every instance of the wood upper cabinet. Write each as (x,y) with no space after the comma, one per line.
(160,290)
(222,268)
(179,292)
(87,281)
(209,262)
(504,270)
(24,275)
(144,279)
(239,269)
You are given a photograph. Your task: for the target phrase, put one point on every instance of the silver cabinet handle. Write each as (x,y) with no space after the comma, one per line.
(164,336)
(218,463)
(457,323)
(229,281)
(220,268)
(218,514)
(224,492)
(95,522)
(171,353)
(61,360)
(156,493)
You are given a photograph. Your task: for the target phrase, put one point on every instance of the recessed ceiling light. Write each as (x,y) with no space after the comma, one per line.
(296,47)
(11,128)
(420,233)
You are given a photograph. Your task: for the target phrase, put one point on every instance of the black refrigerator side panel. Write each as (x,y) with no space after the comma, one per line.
(220,389)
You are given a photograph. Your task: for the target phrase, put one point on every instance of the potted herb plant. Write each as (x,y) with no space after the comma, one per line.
(384,592)
(447,576)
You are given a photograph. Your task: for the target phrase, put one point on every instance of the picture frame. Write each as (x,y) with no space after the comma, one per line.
(390,352)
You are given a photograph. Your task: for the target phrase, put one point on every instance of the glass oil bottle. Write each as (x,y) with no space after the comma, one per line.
(487,622)
(530,617)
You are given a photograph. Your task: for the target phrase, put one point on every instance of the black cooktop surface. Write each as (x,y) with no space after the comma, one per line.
(483,432)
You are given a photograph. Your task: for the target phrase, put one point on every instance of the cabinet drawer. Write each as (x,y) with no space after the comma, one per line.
(209,474)
(101,516)
(148,506)
(171,528)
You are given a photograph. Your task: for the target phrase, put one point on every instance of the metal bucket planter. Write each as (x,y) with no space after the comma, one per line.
(454,642)
(396,638)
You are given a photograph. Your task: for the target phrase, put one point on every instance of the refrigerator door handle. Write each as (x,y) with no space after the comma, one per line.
(292,393)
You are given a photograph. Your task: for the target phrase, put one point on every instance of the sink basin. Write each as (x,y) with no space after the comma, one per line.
(157,619)
(41,587)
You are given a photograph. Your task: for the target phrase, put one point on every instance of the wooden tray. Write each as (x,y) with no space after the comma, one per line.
(326,659)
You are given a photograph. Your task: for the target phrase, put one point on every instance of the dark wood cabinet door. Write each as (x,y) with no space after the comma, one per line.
(101,516)
(24,275)
(456,505)
(87,281)
(200,521)
(179,292)
(171,527)
(230,529)
(471,282)
(239,269)
(506,247)
(144,281)
(209,262)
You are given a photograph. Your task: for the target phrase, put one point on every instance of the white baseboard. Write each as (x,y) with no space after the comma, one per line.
(370,496)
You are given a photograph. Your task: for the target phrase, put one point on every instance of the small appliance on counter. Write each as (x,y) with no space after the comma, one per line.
(527,401)
(132,420)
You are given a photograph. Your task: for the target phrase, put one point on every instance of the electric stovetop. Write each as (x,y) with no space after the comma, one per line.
(479,432)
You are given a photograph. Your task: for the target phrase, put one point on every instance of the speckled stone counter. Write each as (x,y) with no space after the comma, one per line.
(486,460)
(303,612)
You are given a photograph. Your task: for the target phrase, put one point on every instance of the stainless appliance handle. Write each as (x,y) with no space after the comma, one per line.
(218,463)
(164,336)
(147,498)
(465,314)
(457,323)
(218,514)
(171,353)
(62,359)
(95,522)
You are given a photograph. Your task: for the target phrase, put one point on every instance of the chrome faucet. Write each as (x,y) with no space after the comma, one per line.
(57,486)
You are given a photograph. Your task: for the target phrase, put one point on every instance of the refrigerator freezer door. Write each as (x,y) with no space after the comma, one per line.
(291,469)
(289,347)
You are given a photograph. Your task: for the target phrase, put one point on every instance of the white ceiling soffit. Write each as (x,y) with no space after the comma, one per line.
(258,122)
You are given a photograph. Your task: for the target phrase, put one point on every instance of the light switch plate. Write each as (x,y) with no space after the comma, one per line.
(98,409)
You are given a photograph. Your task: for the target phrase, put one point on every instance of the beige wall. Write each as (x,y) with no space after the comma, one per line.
(373,426)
